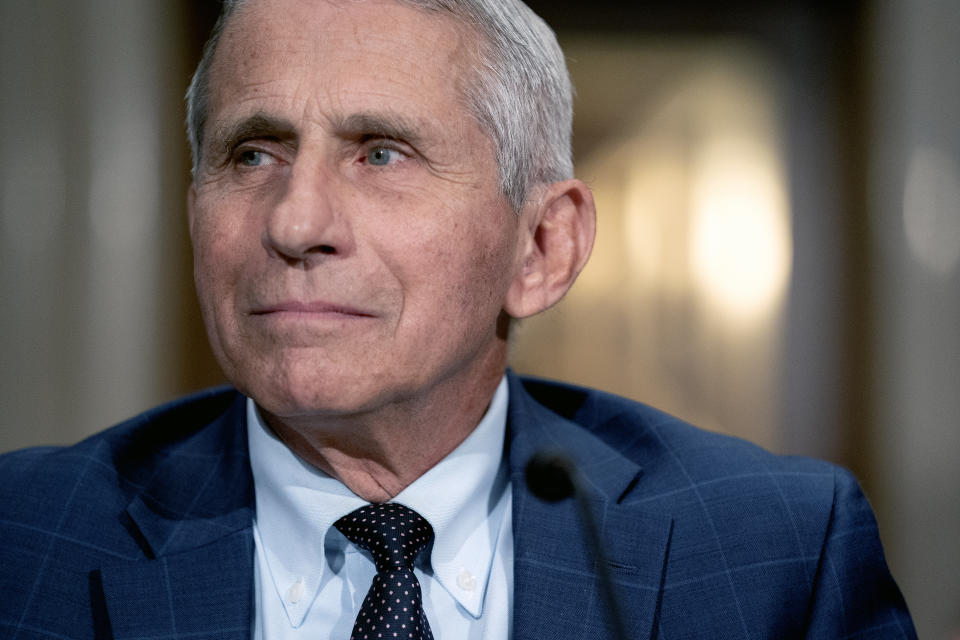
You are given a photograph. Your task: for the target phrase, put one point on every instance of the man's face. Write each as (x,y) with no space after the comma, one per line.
(352,247)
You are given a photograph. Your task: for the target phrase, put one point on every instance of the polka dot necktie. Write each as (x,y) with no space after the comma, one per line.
(394,535)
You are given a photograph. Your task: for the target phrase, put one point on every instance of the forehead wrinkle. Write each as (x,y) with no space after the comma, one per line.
(318,101)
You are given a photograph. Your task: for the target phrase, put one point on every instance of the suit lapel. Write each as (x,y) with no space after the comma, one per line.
(194,524)
(556,593)
(202,593)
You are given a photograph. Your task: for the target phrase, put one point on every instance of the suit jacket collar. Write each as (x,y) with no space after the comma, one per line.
(202,489)
(194,525)
(556,593)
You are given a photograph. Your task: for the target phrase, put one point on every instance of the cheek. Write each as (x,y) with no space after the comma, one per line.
(218,249)
(466,273)
(206,261)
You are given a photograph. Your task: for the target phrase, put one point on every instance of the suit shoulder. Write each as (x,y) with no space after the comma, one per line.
(112,460)
(674,452)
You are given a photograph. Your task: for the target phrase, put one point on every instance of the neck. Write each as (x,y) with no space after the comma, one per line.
(378,454)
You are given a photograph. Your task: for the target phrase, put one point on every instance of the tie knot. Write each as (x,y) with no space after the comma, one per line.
(392,533)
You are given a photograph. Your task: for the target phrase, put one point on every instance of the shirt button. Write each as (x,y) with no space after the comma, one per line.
(295,591)
(466,580)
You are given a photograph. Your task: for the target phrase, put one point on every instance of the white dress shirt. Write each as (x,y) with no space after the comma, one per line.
(310,580)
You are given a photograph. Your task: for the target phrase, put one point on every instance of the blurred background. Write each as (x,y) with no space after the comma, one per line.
(778,253)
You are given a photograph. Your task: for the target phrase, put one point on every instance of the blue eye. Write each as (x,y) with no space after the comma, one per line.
(252,158)
(380,156)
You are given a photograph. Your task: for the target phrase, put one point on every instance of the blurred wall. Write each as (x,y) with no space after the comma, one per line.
(914,199)
(96,311)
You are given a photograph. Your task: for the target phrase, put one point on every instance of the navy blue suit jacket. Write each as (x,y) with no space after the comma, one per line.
(144,531)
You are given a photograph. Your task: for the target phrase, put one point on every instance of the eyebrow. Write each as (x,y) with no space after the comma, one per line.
(354,126)
(389,126)
(258,125)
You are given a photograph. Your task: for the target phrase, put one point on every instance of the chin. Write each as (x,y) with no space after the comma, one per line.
(299,391)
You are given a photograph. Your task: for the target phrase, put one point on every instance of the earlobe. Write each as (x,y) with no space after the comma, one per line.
(559,233)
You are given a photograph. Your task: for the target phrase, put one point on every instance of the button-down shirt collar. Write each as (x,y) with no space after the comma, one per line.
(297,504)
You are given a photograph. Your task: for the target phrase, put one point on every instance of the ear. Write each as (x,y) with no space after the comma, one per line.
(557,226)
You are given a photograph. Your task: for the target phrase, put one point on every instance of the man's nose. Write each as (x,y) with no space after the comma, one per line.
(306,223)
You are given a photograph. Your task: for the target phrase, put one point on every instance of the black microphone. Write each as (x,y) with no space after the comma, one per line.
(552,476)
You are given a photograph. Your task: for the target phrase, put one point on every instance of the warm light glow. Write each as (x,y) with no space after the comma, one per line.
(741,244)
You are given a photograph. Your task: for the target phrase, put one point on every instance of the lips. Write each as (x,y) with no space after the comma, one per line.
(308,308)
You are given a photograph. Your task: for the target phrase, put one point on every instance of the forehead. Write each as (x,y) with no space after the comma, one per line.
(334,53)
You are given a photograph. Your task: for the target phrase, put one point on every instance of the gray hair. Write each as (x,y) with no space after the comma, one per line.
(520,92)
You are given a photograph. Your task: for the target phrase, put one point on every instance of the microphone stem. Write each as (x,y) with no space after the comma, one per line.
(603,568)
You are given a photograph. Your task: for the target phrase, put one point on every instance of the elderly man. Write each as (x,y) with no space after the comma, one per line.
(380,188)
